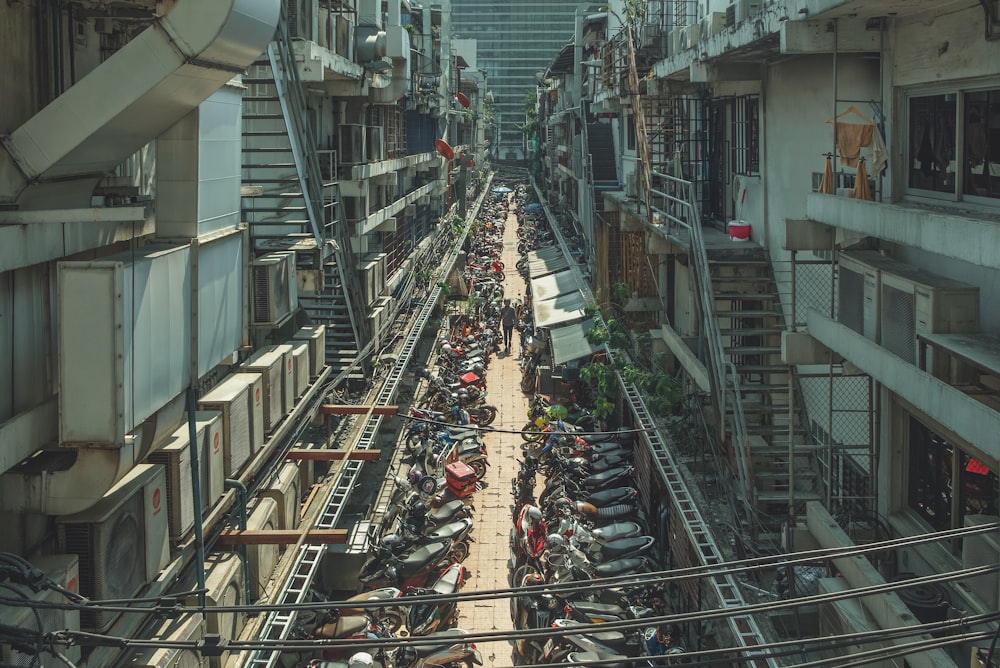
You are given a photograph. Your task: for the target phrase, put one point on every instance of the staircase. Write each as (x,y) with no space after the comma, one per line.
(748,311)
(601,144)
(292,203)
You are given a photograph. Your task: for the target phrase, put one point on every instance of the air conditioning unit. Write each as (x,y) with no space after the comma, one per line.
(915,301)
(858,291)
(713,23)
(275,288)
(693,33)
(224,586)
(745,8)
(376,144)
(269,362)
(287,377)
(631,189)
(232,398)
(175,457)
(300,363)
(64,571)
(982,550)
(678,41)
(262,558)
(315,336)
(122,540)
(372,274)
(286,490)
(186,629)
(351,145)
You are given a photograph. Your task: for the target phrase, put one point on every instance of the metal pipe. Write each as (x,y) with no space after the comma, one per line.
(199,537)
(241,513)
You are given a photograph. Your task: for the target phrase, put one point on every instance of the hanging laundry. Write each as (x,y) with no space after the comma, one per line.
(880,154)
(850,138)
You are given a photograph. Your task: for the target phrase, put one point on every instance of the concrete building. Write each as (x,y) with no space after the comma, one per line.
(802,199)
(210,215)
(516,40)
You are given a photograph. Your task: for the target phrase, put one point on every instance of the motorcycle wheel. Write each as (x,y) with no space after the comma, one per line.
(487,414)
(479,468)
(428,485)
(530,433)
(460,552)
(393,619)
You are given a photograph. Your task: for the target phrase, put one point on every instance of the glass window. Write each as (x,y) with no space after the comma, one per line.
(932,490)
(932,143)
(981,134)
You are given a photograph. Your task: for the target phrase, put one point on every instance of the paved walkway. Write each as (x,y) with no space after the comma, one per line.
(488,558)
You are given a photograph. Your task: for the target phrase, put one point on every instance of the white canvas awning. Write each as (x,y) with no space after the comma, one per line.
(565,308)
(546,261)
(553,285)
(570,342)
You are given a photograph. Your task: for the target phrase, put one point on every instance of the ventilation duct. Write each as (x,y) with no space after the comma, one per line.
(57,157)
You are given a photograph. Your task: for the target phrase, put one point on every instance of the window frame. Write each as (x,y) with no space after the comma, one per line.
(960,90)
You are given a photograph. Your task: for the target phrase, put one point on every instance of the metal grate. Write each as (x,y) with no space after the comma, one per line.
(898,323)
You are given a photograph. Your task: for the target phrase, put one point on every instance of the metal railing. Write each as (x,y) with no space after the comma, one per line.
(288,87)
(679,209)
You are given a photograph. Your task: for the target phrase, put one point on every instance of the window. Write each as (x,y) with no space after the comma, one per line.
(630,136)
(950,130)
(745,131)
(932,491)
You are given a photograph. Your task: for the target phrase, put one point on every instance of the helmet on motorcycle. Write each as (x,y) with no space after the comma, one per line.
(446,348)
(360,660)
(554,540)
(405,656)
(463,392)
(418,507)
(470,339)
(394,542)
(534,514)
(479,370)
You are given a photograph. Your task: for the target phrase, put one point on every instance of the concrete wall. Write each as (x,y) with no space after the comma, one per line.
(19,77)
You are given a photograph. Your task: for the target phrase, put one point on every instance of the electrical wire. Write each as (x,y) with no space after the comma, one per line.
(561,589)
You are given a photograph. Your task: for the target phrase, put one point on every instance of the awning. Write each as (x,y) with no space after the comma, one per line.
(570,342)
(565,308)
(546,261)
(553,285)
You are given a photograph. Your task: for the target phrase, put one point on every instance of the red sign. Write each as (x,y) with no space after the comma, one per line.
(156,501)
(215,442)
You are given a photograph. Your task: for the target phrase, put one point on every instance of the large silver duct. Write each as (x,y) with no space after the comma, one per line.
(57,157)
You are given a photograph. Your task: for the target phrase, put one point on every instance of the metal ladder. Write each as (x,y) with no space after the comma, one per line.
(279,624)
(743,627)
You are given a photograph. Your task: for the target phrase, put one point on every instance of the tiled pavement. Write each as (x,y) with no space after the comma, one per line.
(488,558)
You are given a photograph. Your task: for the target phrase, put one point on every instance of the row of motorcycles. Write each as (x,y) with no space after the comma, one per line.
(419,546)
(577,517)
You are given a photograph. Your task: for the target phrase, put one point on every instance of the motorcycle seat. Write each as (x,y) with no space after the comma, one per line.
(345,626)
(448,531)
(625,545)
(448,583)
(598,480)
(619,567)
(592,608)
(422,556)
(613,495)
(446,510)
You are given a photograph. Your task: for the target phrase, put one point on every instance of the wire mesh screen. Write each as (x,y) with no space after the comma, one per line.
(813,283)
(898,323)
(839,410)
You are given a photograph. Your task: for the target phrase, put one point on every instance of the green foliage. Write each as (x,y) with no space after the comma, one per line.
(621,292)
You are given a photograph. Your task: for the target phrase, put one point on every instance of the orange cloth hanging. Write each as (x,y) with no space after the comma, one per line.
(850,138)
(862,190)
(826,185)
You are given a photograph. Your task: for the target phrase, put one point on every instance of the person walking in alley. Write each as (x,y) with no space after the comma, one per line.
(508,318)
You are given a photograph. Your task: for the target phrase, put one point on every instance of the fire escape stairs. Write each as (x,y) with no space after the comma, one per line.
(748,311)
(291,202)
(601,145)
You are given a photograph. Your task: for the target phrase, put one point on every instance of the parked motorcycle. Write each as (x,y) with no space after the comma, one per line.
(425,618)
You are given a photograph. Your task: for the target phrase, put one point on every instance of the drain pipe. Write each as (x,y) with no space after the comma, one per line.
(199,537)
(241,508)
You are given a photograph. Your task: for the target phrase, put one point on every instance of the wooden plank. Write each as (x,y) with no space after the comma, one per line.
(334,455)
(283,537)
(351,409)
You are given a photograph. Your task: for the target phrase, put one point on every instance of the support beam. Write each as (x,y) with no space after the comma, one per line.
(702,72)
(803,37)
(300,454)
(283,537)
(351,409)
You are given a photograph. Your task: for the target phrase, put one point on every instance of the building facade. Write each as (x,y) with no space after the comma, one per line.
(801,198)
(211,215)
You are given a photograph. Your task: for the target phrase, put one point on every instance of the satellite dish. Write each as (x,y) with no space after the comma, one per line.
(444,148)
(463,100)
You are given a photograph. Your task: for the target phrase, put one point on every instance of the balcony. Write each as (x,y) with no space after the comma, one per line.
(959,234)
